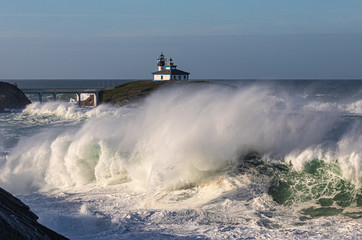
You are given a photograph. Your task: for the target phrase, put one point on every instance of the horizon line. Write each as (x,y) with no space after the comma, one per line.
(193,79)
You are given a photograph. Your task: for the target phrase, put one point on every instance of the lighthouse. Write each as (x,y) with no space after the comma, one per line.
(169,71)
(161,62)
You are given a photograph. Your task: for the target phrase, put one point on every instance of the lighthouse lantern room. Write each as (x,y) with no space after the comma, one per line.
(168,72)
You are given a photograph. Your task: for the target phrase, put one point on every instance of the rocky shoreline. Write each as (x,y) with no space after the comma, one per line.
(11,97)
(16,219)
(18,222)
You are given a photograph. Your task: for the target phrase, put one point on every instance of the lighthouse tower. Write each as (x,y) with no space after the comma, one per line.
(161,62)
(169,72)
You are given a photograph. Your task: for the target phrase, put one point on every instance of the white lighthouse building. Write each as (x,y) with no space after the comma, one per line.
(168,72)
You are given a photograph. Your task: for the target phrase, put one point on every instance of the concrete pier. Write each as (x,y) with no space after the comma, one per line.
(77,92)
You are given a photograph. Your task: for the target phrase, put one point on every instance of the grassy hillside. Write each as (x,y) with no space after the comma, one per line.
(130,92)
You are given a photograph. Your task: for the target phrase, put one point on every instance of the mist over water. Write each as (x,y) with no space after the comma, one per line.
(189,146)
(179,137)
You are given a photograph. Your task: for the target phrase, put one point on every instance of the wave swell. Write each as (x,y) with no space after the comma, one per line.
(179,137)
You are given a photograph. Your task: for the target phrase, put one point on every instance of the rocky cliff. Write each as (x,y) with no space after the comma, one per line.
(18,222)
(11,97)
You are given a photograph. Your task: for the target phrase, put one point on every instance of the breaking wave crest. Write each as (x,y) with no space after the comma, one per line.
(59,109)
(179,138)
(353,108)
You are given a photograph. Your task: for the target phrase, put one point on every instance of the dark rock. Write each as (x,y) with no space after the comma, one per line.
(18,222)
(11,97)
(88,102)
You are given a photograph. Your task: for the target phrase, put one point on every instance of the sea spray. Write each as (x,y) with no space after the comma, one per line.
(180,136)
(55,109)
(110,172)
(355,107)
(347,152)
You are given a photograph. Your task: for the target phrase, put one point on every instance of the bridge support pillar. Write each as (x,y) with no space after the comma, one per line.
(96,98)
(78,98)
(40,97)
(54,96)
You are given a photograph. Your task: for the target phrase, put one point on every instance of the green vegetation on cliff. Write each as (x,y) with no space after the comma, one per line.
(130,92)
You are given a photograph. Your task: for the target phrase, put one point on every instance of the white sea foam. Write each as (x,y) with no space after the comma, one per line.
(354,107)
(60,109)
(160,171)
(322,107)
(347,152)
(179,137)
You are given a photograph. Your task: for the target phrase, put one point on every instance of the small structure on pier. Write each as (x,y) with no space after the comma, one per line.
(168,72)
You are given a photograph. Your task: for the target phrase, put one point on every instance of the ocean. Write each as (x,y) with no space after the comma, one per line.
(247,159)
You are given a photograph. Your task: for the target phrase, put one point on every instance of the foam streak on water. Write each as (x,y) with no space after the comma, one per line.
(191,161)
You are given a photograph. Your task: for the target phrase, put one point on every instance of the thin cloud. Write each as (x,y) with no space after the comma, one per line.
(134,33)
(216,30)
(195,31)
(77,15)
(17,34)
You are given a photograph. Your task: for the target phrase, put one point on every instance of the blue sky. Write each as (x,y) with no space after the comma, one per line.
(114,39)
